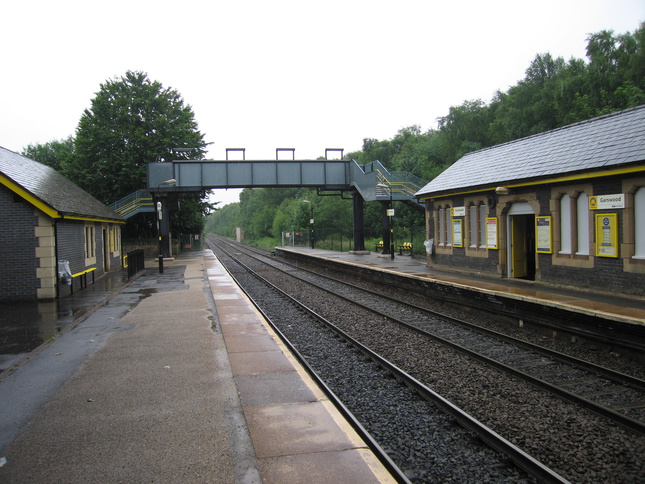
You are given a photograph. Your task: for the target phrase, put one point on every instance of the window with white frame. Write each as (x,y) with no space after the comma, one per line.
(565,224)
(445,226)
(639,223)
(448,226)
(115,240)
(482,225)
(474,226)
(477,225)
(90,245)
(574,224)
(582,222)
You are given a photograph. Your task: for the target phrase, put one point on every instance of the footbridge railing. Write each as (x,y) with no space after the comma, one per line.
(137,202)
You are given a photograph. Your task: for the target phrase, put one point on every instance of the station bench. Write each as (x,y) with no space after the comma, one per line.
(405,247)
(82,278)
(379,246)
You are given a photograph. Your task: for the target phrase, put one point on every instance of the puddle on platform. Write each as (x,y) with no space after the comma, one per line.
(26,325)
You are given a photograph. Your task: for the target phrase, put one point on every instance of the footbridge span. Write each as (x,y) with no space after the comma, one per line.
(370,182)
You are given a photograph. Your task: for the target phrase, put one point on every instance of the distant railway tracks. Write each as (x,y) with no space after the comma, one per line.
(482,372)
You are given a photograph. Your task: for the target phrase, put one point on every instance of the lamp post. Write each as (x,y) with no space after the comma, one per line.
(161,220)
(390,213)
(311,223)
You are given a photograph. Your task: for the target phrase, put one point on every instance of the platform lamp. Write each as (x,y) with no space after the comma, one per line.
(160,219)
(311,222)
(390,214)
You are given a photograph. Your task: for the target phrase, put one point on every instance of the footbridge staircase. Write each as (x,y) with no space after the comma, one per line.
(138,202)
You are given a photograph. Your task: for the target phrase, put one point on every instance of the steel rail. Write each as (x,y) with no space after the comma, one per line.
(487,435)
(616,377)
(378,451)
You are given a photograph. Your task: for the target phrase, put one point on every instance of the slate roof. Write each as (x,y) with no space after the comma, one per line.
(53,189)
(600,143)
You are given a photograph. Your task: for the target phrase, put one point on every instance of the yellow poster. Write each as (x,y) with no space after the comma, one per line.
(456,233)
(607,235)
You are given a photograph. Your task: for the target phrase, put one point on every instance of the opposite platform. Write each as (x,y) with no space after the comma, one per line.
(609,306)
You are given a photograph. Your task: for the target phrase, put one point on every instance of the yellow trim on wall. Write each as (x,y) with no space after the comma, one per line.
(18,190)
(47,209)
(91,219)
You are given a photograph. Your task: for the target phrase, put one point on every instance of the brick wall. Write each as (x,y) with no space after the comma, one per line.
(600,273)
(18,245)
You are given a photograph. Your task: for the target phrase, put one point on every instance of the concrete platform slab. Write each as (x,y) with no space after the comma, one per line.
(268,362)
(320,468)
(306,428)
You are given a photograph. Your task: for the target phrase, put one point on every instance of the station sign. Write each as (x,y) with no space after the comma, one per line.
(603,202)
(459,211)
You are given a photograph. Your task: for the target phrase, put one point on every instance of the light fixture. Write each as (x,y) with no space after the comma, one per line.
(502,191)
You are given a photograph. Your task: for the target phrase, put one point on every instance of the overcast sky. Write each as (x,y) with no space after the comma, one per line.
(267,74)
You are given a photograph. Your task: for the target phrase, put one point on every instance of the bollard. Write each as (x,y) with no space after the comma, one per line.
(160,264)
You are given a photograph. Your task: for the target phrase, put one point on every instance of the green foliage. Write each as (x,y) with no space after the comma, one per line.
(57,153)
(223,221)
(132,121)
(191,216)
(553,93)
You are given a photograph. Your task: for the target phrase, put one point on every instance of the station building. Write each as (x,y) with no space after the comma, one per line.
(564,207)
(50,230)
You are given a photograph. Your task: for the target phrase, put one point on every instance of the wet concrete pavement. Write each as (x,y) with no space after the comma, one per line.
(137,409)
(173,380)
(25,325)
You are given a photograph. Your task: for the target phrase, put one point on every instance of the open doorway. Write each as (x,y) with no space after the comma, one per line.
(523,247)
(521,242)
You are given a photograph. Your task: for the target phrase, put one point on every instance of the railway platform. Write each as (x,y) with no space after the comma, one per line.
(173,377)
(623,309)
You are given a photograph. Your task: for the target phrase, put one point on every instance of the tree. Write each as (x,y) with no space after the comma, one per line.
(56,154)
(132,121)
(465,129)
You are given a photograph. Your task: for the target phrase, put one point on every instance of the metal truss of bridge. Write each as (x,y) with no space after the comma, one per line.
(370,182)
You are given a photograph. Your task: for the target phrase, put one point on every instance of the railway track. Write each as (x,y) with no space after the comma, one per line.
(420,410)
(405,323)
(611,394)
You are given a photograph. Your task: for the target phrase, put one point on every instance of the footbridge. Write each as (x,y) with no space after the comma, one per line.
(370,182)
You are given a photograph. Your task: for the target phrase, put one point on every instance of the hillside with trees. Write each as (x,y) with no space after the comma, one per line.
(134,120)
(554,93)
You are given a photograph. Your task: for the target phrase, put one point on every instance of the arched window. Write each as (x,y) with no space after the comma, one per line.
(445,226)
(582,219)
(565,224)
(474,225)
(639,223)
(448,226)
(482,225)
